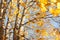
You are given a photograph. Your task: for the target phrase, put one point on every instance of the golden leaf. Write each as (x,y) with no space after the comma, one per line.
(22,3)
(57,38)
(58,5)
(19,15)
(43,1)
(16,11)
(14,5)
(58,0)
(54,12)
(57,11)
(43,8)
(40,23)
(37,31)
(48,4)
(44,33)
(53,1)
(10,16)
(14,1)
(28,16)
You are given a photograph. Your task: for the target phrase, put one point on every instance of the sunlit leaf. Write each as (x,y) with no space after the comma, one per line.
(58,5)
(53,1)
(22,3)
(40,23)
(57,38)
(54,12)
(43,1)
(44,33)
(16,11)
(19,15)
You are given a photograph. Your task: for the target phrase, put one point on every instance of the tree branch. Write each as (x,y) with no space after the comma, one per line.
(39,18)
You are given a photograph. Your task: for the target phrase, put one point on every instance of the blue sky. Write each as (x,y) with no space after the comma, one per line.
(56,25)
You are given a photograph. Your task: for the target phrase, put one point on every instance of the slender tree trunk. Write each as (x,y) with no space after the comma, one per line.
(1,31)
(1,23)
(15,27)
(15,36)
(2,17)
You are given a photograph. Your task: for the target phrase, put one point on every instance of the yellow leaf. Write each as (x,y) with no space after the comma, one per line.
(14,5)
(28,16)
(22,3)
(51,10)
(53,1)
(44,33)
(53,4)
(57,38)
(16,11)
(14,1)
(43,8)
(58,5)
(57,11)
(43,1)
(40,23)
(19,15)
(52,33)
(10,16)
(54,12)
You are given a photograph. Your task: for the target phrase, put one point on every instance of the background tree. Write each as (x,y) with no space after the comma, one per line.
(29,19)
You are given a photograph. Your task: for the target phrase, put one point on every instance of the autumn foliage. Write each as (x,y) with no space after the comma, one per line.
(29,19)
